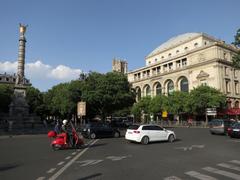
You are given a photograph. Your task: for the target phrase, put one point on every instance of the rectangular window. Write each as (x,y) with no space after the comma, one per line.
(148,73)
(203,82)
(153,71)
(235,73)
(165,67)
(158,69)
(178,64)
(144,74)
(170,66)
(135,76)
(236,87)
(184,62)
(227,86)
(226,71)
(139,75)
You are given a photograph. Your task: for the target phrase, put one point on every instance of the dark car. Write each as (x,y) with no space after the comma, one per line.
(219,126)
(94,130)
(234,130)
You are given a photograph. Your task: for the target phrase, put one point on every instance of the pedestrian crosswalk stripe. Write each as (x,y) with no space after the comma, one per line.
(172,178)
(221,172)
(235,161)
(200,176)
(229,166)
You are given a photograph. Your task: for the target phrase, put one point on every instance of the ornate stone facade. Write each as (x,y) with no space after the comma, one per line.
(11,79)
(187,61)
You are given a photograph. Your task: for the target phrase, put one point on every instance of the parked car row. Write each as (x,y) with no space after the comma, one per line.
(225,127)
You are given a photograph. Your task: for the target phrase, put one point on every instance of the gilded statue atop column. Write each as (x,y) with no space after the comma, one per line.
(22,28)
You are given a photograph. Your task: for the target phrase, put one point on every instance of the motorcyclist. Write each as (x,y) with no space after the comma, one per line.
(67,128)
(57,127)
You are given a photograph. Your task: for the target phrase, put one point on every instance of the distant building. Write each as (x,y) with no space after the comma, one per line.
(119,66)
(11,79)
(187,61)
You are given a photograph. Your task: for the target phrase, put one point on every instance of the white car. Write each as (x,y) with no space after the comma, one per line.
(149,133)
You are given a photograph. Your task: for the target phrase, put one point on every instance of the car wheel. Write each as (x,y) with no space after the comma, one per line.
(171,138)
(92,135)
(116,134)
(145,140)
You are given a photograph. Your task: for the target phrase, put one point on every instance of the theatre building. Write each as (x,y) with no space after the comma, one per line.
(187,61)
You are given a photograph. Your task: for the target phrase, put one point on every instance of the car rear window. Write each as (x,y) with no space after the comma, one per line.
(217,122)
(134,127)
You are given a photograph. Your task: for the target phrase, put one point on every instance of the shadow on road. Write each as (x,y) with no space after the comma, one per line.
(91,176)
(6,167)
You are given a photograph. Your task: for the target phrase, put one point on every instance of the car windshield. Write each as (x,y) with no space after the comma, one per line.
(134,127)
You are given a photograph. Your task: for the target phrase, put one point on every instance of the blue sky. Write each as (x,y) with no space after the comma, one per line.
(65,37)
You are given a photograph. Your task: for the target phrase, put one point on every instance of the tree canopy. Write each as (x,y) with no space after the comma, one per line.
(236,58)
(6,92)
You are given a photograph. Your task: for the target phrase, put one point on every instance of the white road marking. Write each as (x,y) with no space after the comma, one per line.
(55,176)
(224,173)
(229,166)
(51,170)
(185,148)
(237,141)
(59,164)
(89,162)
(172,178)
(200,176)
(235,161)
(40,178)
(116,158)
(74,153)
(69,157)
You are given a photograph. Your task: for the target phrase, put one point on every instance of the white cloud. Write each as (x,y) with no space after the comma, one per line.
(8,67)
(62,72)
(39,72)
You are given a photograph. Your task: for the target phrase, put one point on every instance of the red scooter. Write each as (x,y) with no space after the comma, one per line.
(59,140)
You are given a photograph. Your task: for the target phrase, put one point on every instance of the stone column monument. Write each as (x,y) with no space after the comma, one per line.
(19,109)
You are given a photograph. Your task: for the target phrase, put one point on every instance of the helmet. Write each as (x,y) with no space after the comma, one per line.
(65,122)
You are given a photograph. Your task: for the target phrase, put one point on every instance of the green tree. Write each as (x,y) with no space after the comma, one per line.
(204,97)
(6,92)
(236,58)
(158,104)
(35,101)
(175,103)
(237,38)
(142,107)
(106,93)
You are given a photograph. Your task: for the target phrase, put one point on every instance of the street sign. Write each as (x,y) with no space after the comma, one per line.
(81,108)
(211,111)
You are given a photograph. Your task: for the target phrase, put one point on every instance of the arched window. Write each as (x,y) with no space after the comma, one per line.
(158,89)
(236,105)
(138,94)
(184,85)
(170,87)
(147,90)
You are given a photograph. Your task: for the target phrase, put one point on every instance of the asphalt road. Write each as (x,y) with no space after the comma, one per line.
(195,155)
